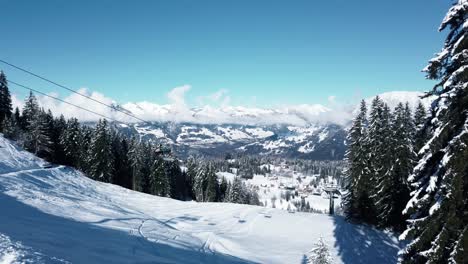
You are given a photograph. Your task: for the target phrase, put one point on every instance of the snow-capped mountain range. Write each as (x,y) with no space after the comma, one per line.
(287,133)
(310,142)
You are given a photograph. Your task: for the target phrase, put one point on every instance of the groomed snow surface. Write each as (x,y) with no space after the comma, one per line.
(57,215)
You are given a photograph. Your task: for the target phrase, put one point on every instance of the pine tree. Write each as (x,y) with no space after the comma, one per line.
(200,182)
(177,178)
(17,118)
(30,110)
(420,119)
(320,254)
(100,153)
(393,189)
(5,100)
(50,133)
(236,191)
(223,188)
(10,130)
(122,167)
(85,138)
(211,192)
(357,199)
(71,141)
(191,175)
(383,195)
(159,180)
(379,166)
(59,127)
(439,203)
(37,139)
(141,159)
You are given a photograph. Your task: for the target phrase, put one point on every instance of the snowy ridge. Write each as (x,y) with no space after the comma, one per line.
(319,142)
(58,215)
(308,140)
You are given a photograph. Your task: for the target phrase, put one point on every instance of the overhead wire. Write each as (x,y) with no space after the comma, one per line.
(63,101)
(124,111)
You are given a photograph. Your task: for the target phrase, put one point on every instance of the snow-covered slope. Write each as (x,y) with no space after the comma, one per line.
(57,215)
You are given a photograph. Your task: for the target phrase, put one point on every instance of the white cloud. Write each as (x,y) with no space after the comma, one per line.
(218,98)
(222,111)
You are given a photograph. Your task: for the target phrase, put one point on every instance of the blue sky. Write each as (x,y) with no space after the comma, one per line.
(263,53)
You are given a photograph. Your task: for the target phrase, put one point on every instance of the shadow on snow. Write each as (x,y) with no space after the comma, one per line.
(363,244)
(79,242)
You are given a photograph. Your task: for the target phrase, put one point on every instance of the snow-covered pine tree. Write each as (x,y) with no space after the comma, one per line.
(200,182)
(236,191)
(320,254)
(49,131)
(100,153)
(358,203)
(122,168)
(158,178)
(17,117)
(191,175)
(141,157)
(420,119)
(420,116)
(384,192)
(377,141)
(211,192)
(439,203)
(134,157)
(30,109)
(86,134)
(177,179)
(37,139)
(60,125)
(357,172)
(5,100)
(393,189)
(10,130)
(223,188)
(71,143)
(253,197)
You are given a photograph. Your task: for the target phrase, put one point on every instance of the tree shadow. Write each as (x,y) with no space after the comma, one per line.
(78,242)
(363,244)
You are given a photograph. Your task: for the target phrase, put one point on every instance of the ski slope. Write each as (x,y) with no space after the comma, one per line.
(58,215)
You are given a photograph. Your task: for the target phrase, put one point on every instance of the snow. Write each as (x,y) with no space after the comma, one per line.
(307,148)
(199,136)
(323,135)
(233,134)
(453,12)
(273,185)
(158,133)
(58,215)
(259,132)
(227,175)
(271,145)
(300,134)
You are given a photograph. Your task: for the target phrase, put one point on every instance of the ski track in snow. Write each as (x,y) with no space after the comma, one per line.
(57,215)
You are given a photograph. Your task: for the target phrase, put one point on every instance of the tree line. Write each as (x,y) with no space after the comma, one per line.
(380,156)
(411,174)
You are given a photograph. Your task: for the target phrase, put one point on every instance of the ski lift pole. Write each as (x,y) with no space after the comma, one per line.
(330,190)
